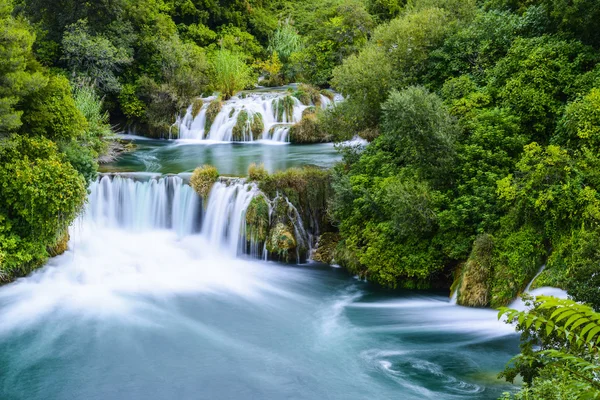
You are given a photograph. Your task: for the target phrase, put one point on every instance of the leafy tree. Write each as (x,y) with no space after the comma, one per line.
(230,73)
(18,70)
(41,194)
(93,57)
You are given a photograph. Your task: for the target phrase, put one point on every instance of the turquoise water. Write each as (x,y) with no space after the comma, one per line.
(166,156)
(137,311)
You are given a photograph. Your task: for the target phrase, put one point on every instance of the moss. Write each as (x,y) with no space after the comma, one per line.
(308,130)
(281,241)
(247,123)
(518,256)
(231,112)
(474,290)
(196,107)
(327,93)
(369,134)
(308,95)
(214,108)
(326,247)
(257,126)
(257,172)
(308,188)
(283,109)
(257,219)
(174,131)
(61,245)
(203,179)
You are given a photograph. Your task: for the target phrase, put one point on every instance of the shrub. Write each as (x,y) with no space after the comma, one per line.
(257,172)
(203,178)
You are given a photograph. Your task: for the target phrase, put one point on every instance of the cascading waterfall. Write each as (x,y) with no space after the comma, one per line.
(144,204)
(225,223)
(268,106)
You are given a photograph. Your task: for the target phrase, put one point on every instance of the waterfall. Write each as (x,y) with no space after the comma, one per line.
(143,204)
(267,106)
(225,223)
(148,202)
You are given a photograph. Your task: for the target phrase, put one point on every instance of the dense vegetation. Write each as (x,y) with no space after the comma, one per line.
(51,133)
(559,350)
(483,119)
(484,163)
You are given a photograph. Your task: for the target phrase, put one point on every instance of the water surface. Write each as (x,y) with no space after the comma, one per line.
(170,156)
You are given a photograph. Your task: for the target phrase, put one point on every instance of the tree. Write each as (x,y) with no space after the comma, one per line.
(93,57)
(18,70)
(230,73)
(41,194)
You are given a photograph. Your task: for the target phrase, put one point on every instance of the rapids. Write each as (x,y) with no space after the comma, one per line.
(153,300)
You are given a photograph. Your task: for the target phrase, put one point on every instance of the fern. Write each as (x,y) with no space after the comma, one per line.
(569,333)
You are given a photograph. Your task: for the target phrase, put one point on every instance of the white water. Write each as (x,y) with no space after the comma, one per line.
(225,223)
(264,103)
(132,204)
(156,309)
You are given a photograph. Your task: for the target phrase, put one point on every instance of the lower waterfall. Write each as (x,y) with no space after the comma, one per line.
(144,203)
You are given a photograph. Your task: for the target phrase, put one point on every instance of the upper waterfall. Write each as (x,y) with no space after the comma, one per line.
(248,117)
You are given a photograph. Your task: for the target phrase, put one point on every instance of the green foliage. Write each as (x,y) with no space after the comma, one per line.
(339,31)
(52,112)
(20,76)
(257,219)
(537,76)
(203,178)
(230,73)
(41,194)
(285,41)
(308,130)
(93,57)
(580,124)
(473,290)
(248,125)
(419,132)
(558,347)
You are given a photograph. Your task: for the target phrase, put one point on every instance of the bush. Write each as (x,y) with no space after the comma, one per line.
(308,130)
(41,195)
(203,178)
(257,172)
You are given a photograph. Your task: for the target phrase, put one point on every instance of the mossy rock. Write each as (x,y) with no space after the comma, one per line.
(312,110)
(174,131)
(247,123)
(282,241)
(283,109)
(203,179)
(257,219)
(326,247)
(231,112)
(214,108)
(308,95)
(474,290)
(196,107)
(327,93)
(61,245)
(308,130)
(257,126)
